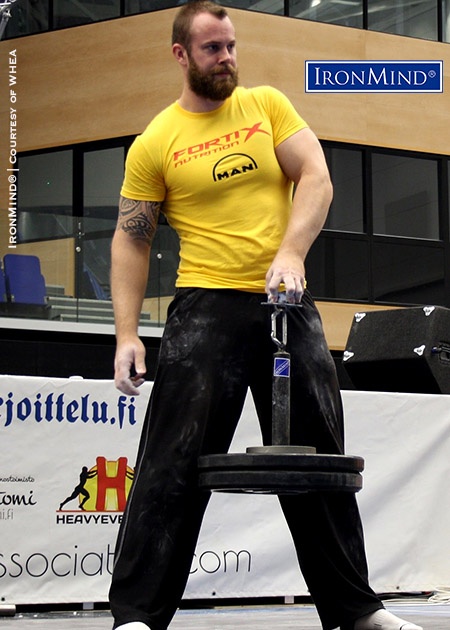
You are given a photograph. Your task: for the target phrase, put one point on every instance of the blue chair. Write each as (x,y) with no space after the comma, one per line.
(94,284)
(25,283)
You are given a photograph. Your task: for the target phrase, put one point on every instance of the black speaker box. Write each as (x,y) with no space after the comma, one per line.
(400,350)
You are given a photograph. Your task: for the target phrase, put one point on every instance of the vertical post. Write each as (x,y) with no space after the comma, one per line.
(281,394)
(281,408)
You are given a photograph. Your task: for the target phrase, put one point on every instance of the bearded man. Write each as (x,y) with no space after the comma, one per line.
(222,163)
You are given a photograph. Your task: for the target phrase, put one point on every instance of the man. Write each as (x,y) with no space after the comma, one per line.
(221,163)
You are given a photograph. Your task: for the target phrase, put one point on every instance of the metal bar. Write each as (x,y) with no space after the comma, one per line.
(281,398)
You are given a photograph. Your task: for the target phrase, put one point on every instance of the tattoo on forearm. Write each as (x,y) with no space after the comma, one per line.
(139,219)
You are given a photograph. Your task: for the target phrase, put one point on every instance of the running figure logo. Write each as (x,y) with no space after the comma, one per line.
(104,487)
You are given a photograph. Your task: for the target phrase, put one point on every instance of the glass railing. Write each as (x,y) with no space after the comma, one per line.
(67,278)
(64,215)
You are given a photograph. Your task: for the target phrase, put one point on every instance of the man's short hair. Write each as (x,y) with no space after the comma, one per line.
(181,30)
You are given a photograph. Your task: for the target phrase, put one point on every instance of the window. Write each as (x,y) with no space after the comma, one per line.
(45,196)
(415,18)
(338,268)
(405,273)
(143,6)
(102,179)
(386,236)
(346,170)
(276,7)
(405,196)
(348,13)
(447,200)
(45,216)
(28,18)
(68,206)
(73,13)
(445,20)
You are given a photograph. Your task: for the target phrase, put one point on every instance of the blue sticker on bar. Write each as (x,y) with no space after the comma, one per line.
(282,367)
(374,76)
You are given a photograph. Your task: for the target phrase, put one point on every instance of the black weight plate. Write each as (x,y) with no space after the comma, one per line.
(278,482)
(281,461)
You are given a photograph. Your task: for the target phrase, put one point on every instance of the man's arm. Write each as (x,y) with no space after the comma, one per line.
(302,160)
(130,254)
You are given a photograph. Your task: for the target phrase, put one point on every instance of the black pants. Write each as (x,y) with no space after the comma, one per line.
(216,344)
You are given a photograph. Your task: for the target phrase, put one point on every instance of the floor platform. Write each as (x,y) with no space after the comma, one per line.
(284,617)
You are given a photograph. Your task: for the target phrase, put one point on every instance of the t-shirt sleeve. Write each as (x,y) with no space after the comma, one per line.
(143,179)
(285,119)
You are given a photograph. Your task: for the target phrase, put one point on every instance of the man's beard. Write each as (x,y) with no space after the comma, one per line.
(207,85)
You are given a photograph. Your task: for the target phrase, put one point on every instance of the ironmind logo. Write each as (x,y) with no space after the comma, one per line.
(217,145)
(374,76)
(101,488)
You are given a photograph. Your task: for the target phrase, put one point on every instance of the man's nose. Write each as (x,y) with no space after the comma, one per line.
(225,55)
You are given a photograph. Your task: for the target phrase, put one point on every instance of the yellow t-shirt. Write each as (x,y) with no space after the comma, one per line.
(223,190)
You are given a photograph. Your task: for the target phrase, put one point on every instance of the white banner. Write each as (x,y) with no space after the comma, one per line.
(67,458)
(52,429)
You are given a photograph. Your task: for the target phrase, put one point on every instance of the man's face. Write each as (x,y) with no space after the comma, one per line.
(212,69)
(216,84)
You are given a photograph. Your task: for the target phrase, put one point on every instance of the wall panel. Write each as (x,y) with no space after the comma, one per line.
(108,79)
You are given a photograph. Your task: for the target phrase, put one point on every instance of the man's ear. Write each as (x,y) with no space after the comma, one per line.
(180,54)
